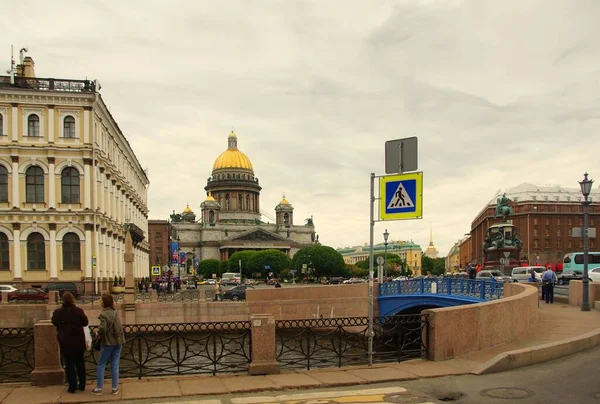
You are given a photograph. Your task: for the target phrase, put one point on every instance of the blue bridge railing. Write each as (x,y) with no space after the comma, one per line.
(470,288)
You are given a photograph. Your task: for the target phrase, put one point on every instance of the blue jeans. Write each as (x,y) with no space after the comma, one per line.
(112,352)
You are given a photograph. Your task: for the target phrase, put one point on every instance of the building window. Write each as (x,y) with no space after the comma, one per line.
(69,127)
(247,202)
(4,261)
(558,245)
(591,220)
(547,233)
(1,125)
(158,236)
(227,201)
(535,232)
(547,244)
(211,216)
(286,218)
(240,202)
(547,222)
(558,233)
(33,125)
(535,220)
(34,178)
(558,222)
(36,252)
(69,185)
(535,243)
(159,252)
(71,252)
(569,222)
(3,184)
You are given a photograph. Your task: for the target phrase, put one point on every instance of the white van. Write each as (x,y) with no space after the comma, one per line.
(521,274)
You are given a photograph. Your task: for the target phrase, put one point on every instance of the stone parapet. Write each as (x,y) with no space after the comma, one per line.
(455,331)
(48,370)
(264,357)
(576,293)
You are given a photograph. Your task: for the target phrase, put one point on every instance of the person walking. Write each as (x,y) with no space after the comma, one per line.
(548,281)
(69,321)
(112,338)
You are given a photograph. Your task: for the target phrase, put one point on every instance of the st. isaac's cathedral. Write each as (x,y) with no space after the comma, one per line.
(230,216)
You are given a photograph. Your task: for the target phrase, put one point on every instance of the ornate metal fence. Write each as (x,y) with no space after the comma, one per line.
(180,349)
(305,344)
(16,354)
(474,288)
(182,295)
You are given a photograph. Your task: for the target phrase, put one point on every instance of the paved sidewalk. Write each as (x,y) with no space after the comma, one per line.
(557,322)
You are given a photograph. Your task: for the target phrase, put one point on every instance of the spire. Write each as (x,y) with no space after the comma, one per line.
(430,235)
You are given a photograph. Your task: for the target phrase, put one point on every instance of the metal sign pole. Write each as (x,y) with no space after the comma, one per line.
(371,229)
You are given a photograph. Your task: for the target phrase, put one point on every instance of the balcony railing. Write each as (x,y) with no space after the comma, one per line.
(41,84)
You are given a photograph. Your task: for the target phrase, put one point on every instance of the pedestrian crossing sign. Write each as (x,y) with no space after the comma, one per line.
(401,196)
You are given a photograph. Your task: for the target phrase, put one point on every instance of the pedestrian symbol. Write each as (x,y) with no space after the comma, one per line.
(401,199)
(401,196)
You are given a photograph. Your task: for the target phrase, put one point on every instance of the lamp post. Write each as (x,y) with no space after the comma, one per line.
(385,244)
(586,188)
(178,260)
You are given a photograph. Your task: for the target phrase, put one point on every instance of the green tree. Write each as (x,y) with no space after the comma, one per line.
(223,267)
(246,258)
(274,259)
(433,265)
(322,260)
(208,267)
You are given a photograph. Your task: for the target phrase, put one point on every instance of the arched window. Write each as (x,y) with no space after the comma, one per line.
(1,125)
(240,202)
(286,218)
(227,201)
(36,252)
(34,178)
(71,252)
(228,176)
(69,126)
(33,125)
(69,185)
(3,184)
(4,262)
(211,216)
(247,202)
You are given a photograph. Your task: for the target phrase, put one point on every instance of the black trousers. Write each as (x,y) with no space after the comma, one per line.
(75,369)
(549,293)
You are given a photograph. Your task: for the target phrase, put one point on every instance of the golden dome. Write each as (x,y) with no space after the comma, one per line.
(284,201)
(187,209)
(232,157)
(209,198)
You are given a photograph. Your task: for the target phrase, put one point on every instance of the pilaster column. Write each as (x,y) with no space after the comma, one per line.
(101,191)
(102,254)
(51,183)
(51,132)
(17,252)
(15,181)
(53,260)
(108,204)
(106,236)
(87,183)
(87,123)
(88,250)
(113,252)
(14,133)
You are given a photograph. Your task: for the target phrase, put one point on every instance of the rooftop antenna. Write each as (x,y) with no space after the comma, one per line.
(12,66)
(21,53)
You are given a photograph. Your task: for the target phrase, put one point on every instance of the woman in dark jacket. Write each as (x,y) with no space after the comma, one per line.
(69,321)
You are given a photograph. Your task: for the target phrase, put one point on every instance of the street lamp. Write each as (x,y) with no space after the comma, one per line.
(586,188)
(178,260)
(385,244)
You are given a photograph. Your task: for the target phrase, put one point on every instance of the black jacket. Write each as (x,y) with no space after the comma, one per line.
(69,321)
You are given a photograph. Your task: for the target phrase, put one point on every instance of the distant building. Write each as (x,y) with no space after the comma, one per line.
(465,249)
(407,250)
(431,251)
(231,218)
(159,234)
(452,261)
(71,186)
(545,217)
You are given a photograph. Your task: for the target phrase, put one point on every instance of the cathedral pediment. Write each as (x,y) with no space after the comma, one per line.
(260,236)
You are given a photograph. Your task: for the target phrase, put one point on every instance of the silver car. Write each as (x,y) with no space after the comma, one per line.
(493,274)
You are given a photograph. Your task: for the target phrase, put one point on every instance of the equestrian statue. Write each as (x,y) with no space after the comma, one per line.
(502,208)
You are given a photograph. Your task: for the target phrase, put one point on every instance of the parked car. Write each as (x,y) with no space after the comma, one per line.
(400,278)
(236,293)
(594,274)
(354,280)
(211,282)
(521,274)
(229,281)
(272,281)
(251,282)
(7,288)
(493,274)
(565,277)
(461,274)
(335,280)
(63,287)
(28,294)
(200,283)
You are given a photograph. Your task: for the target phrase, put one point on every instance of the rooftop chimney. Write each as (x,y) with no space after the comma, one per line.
(28,67)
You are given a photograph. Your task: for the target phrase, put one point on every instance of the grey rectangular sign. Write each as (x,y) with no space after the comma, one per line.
(578,232)
(401,155)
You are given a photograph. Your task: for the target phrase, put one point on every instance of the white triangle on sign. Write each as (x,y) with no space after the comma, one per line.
(400,199)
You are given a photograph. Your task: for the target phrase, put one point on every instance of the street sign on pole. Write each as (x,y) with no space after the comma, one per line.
(380,260)
(401,155)
(401,196)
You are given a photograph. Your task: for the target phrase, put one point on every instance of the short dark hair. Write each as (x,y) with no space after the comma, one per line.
(68,299)
(107,301)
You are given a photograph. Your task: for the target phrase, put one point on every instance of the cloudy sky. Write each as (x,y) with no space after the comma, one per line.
(498,93)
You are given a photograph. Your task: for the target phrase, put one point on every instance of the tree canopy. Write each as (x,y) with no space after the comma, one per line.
(321,260)
(253,262)
(208,267)
(434,265)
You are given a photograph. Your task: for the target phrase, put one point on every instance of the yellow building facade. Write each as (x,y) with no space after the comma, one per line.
(407,250)
(70,184)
